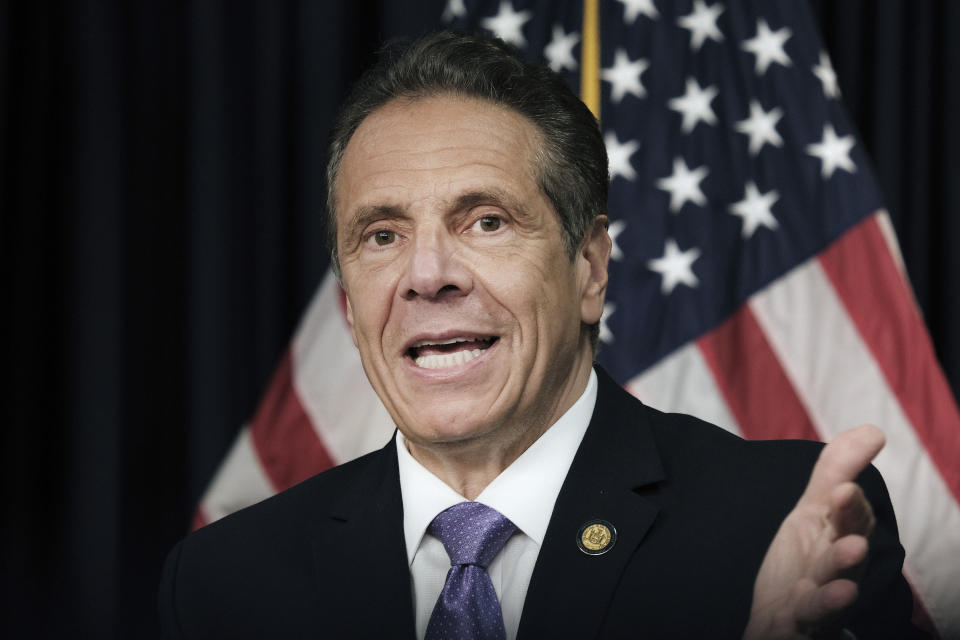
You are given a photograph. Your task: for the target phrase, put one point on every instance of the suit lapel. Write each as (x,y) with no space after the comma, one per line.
(361,558)
(570,591)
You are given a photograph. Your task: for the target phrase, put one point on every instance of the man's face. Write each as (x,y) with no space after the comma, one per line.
(465,306)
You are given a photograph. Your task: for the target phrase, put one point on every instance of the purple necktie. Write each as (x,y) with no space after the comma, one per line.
(473,534)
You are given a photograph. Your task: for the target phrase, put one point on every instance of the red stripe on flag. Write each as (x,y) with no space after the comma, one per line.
(868,282)
(285,441)
(199,520)
(759,395)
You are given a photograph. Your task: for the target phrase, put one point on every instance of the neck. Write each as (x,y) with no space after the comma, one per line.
(468,469)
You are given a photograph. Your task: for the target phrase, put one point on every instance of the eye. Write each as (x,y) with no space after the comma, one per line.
(488,224)
(384,237)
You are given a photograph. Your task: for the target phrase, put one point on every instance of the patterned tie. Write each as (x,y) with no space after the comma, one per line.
(473,534)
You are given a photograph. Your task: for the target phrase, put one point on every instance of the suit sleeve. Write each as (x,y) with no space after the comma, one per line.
(884,606)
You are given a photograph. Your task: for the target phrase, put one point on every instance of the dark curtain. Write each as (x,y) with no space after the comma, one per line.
(898,63)
(161,189)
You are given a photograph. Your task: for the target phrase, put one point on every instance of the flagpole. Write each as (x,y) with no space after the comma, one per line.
(590,57)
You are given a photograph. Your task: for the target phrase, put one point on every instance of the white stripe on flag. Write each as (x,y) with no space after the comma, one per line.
(682,382)
(239,482)
(842,387)
(329,380)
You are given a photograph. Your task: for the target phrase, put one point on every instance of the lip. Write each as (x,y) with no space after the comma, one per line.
(449,372)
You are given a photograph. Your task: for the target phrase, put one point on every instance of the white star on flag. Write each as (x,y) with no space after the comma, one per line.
(833,151)
(633,8)
(695,105)
(624,76)
(828,76)
(675,266)
(754,209)
(559,53)
(606,336)
(767,45)
(508,24)
(684,185)
(761,126)
(614,229)
(618,154)
(454,9)
(702,23)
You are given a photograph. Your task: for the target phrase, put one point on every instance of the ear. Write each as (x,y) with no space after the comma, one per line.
(593,258)
(349,314)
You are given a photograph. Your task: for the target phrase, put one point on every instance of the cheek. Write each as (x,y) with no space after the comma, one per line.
(553,276)
(537,289)
(368,310)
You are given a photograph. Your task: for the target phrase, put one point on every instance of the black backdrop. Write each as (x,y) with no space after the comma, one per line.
(160,197)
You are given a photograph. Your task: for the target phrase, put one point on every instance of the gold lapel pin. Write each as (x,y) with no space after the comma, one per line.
(596,537)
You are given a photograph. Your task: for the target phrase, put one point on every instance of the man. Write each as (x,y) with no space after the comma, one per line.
(466,198)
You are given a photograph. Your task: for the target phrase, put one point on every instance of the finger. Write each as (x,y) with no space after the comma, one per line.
(850,511)
(841,560)
(843,459)
(820,608)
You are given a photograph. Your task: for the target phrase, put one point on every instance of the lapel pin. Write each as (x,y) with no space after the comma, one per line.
(596,537)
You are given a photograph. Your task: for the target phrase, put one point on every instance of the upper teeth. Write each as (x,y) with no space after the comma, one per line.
(424,343)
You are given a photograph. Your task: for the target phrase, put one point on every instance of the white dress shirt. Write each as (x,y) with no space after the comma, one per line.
(524,492)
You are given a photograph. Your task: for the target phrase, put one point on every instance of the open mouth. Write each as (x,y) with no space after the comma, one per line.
(439,354)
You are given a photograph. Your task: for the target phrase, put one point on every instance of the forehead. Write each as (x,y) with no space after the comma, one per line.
(436,146)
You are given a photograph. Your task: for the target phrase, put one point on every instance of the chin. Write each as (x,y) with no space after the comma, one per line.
(446,427)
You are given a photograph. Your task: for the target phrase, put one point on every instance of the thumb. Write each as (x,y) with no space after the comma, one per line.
(843,459)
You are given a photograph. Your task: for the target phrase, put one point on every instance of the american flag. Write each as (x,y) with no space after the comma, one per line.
(755,277)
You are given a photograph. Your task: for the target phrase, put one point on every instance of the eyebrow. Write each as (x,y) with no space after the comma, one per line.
(491,196)
(364,215)
(474,198)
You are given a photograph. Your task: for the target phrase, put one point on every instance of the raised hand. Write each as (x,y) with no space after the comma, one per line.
(808,576)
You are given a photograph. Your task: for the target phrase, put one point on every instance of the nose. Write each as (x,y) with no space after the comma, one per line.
(434,269)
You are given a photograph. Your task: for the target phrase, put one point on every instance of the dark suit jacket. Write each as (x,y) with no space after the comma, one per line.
(693,506)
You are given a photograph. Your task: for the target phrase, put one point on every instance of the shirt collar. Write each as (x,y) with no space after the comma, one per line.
(524,492)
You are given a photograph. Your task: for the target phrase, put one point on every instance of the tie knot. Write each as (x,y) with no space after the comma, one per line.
(472,533)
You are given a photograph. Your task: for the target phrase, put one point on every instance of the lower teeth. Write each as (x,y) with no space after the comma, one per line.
(443,360)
